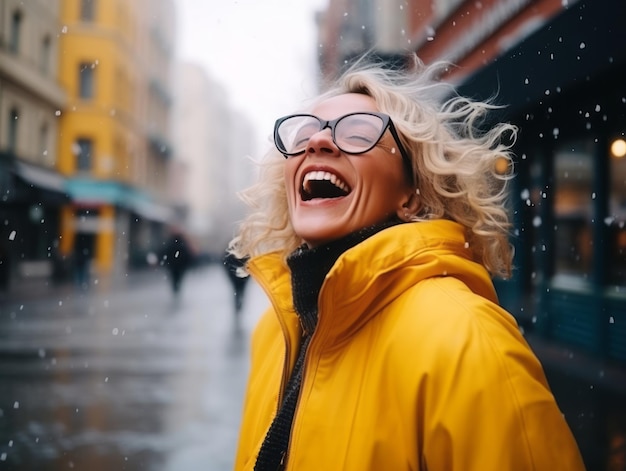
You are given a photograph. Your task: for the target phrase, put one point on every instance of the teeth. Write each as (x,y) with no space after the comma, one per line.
(318,175)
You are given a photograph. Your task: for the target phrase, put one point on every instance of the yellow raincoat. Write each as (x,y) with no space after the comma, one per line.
(413,366)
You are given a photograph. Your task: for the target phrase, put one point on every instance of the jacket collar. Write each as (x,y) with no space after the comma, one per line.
(372,274)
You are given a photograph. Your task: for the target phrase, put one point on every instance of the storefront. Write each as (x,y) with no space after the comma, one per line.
(32,198)
(564,87)
(124,224)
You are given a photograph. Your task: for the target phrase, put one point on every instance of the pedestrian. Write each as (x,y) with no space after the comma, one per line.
(238,279)
(82,255)
(376,224)
(5,268)
(177,257)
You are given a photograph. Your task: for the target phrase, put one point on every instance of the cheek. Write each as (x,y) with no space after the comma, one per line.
(289,178)
(288,174)
(388,179)
(386,189)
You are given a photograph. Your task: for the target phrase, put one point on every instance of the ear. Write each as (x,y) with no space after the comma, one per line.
(409,207)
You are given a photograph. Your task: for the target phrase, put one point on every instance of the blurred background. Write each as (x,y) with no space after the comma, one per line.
(127,128)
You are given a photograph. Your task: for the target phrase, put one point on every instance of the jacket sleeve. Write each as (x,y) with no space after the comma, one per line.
(489,404)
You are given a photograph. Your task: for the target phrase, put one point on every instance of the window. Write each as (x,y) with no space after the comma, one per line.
(86,72)
(84,154)
(536,198)
(573,209)
(617,213)
(44,64)
(43,142)
(16,32)
(12,130)
(88,10)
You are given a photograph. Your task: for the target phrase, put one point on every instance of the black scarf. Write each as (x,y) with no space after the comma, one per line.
(309,268)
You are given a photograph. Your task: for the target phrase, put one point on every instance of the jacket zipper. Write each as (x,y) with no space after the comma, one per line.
(285,375)
(285,457)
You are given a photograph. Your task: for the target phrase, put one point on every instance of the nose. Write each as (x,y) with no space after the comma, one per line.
(321,143)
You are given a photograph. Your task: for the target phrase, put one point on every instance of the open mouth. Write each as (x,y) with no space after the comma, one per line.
(321,184)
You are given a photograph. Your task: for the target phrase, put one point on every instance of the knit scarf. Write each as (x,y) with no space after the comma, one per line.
(309,268)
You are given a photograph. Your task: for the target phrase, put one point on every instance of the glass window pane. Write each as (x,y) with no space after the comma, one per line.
(535,199)
(617,213)
(84,152)
(86,80)
(16,31)
(573,209)
(45,55)
(87,10)
(43,142)
(12,130)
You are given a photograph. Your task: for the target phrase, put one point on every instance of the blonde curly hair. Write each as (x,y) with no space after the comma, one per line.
(461,172)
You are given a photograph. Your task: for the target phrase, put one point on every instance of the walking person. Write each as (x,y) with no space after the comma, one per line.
(238,280)
(5,268)
(376,226)
(177,257)
(83,253)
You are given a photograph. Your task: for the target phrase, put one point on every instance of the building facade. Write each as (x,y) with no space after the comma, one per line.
(114,146)
(213,143)
(32,192)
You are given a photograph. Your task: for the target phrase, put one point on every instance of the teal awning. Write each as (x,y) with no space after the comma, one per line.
(88,191)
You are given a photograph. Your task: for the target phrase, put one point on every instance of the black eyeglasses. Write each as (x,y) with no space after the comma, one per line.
(354,133)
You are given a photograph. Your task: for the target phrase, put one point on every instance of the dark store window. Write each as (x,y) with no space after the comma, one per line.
(573,210)
(86,73)
(535,199)
(617,213)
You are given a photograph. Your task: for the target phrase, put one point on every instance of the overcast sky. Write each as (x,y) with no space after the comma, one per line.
(262,51)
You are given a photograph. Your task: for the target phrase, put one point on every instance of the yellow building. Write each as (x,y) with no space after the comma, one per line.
(114,137)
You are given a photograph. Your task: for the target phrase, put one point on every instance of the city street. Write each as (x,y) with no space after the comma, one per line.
(126,378)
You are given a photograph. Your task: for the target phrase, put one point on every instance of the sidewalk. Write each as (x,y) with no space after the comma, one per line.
(127,377)
(41,288)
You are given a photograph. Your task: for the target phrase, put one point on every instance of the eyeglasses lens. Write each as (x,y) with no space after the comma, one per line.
(296,131)
(356,133)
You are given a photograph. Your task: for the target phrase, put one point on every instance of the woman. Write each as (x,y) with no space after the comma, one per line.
(377,222)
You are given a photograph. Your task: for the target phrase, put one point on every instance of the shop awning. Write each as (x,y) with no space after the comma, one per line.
(584,43)
(93,192)
(39,184)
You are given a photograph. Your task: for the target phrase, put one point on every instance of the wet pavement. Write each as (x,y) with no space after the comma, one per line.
(125,378)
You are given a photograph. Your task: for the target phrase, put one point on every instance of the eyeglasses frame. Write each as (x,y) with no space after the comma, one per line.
(387,124)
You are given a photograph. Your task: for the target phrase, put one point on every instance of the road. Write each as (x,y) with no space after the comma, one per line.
(127,378)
